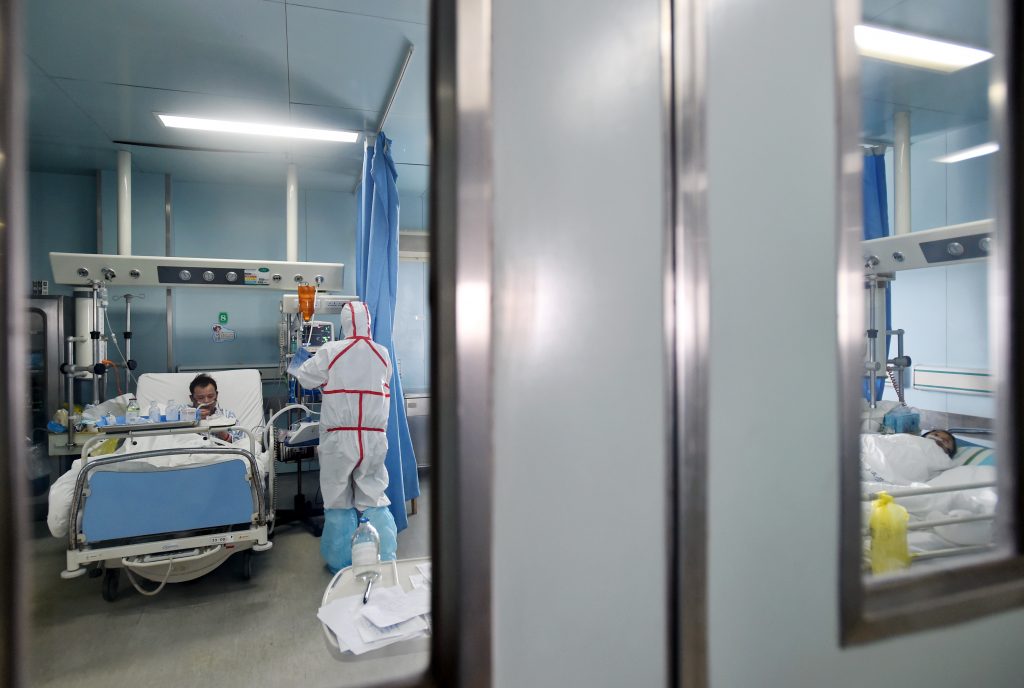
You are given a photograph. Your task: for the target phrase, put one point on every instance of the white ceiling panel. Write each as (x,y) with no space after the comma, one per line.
(350,61)
(227,47)
(63,158)
(872,8)
(936,101)
(961,21)
(53,116)
(415,11)
(126,113)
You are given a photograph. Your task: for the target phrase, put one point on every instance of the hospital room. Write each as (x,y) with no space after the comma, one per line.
(928,452)
(673,336)
(201,296)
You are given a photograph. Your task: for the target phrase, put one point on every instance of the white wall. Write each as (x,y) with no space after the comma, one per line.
(774,473)
(579,536)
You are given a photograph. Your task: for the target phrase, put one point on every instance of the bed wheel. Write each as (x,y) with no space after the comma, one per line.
(245,564)
(111,579)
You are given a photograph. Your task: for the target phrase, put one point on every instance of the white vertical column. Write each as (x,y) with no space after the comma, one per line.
(901,172)
(124,203)
(292,215)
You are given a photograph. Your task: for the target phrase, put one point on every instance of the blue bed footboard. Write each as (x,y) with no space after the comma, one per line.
(133,504)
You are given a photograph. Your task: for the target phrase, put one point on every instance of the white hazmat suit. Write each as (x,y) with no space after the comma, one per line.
(353,376)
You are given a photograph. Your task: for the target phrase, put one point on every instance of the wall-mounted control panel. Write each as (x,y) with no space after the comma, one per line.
(172,271)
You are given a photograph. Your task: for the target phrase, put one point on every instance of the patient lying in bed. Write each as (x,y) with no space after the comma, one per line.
(892,462)
(62,491)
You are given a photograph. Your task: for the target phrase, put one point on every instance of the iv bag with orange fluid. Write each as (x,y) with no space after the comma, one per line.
(307,294)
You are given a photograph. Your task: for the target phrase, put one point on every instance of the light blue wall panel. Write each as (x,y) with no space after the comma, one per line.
(228,221)
(412,326)
(330,230)
(61,217)
(149,313)
(969,183)
(234,221)
(927,184)
(147,213)
(944,310)
(413,215)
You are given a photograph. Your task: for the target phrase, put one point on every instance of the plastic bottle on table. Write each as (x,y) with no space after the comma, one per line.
(89,418)
(173,410)
(132,414)
(365,547)
(154,412)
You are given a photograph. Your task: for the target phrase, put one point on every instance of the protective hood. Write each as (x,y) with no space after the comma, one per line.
(355,320)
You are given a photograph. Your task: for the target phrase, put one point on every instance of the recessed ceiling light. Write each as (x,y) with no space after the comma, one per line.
(258,129)
(968,153)
(916,51)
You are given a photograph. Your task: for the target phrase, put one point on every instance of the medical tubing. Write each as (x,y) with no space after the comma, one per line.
(127,368)
(270,423)
(896,385)
(139,588)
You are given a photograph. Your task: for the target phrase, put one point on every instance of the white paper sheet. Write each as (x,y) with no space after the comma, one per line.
(395,606)
(343,617)
(418,581)
(425,570)
(406,629)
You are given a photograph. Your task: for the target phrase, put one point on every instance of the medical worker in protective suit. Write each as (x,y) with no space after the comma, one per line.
(353,375)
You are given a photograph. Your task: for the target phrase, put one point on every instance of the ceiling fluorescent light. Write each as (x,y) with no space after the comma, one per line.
(916,51)
(968,153)
(258,129)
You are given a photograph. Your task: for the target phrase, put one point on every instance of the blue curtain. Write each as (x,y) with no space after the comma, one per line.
(876,226)
(377,285)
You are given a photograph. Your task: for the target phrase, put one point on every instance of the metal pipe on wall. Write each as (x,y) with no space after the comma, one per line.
(292,215)
(124,203)
(901,172)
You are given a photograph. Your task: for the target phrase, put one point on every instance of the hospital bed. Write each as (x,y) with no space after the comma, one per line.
(170,505)
(951,514)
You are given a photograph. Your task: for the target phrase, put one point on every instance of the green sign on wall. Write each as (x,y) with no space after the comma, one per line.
(222,318)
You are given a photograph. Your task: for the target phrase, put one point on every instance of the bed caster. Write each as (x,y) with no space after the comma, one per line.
(95,571)
(111,580)
(245,564)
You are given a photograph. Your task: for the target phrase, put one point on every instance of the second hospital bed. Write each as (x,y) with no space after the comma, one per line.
(172,505)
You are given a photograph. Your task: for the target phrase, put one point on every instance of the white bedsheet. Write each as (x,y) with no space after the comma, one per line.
(894,462)
(62,491)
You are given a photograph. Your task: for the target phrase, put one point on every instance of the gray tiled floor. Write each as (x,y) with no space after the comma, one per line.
(218,630)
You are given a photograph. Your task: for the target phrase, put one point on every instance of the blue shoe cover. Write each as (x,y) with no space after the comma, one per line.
(380,518)
(336,540)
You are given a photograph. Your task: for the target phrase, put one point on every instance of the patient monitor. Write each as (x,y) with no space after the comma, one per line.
(316,333)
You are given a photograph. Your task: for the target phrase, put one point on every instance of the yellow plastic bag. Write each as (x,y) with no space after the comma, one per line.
(888,525)
(105,447)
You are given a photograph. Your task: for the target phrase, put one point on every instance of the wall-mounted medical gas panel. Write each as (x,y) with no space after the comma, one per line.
(174,271)
(965,243)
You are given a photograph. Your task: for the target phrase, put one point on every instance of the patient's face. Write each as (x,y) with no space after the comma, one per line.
(943,439)
(205,396)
